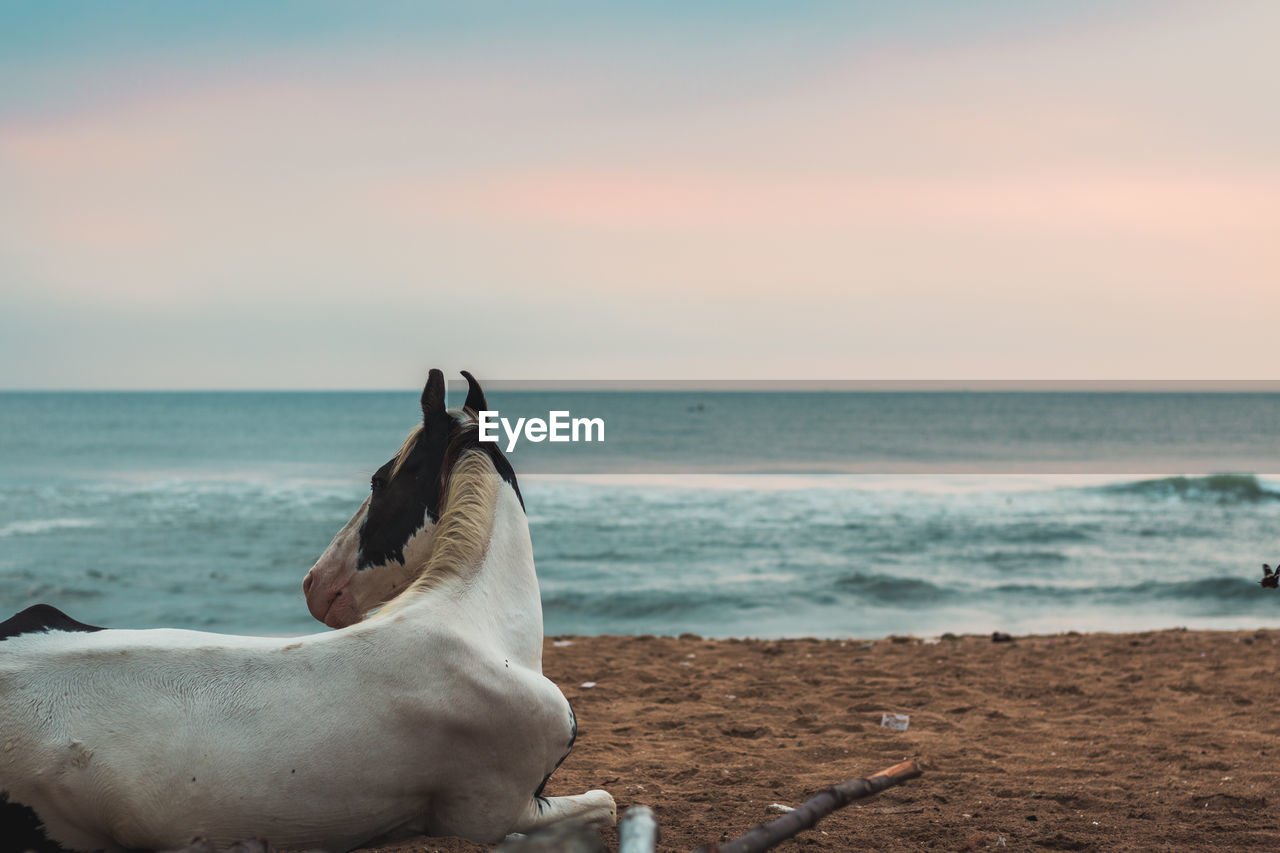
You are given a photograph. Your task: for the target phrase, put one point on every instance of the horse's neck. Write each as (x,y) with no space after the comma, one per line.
(502,598)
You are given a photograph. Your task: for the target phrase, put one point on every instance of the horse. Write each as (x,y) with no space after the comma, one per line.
(426,712)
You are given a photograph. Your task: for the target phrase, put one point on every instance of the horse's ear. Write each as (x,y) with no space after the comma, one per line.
(475,396)
(433,397)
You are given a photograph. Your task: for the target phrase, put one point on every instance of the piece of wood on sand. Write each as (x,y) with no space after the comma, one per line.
(806,816)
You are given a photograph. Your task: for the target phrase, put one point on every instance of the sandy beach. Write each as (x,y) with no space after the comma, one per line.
(1155,741)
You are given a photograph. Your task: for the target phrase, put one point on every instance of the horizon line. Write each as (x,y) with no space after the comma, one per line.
(752,385)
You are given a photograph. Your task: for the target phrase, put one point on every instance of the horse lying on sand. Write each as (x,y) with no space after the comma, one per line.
(430,717)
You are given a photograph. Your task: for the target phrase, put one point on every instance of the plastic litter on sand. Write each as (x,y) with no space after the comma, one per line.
(897,722)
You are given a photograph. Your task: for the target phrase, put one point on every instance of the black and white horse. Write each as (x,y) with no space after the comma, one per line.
(431,716)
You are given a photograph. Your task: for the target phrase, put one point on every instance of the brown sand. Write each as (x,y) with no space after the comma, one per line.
(1156,741)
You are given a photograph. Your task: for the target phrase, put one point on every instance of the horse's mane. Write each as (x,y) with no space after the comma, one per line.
(405,449)
(468,497)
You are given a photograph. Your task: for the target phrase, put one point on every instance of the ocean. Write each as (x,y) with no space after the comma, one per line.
(720,513)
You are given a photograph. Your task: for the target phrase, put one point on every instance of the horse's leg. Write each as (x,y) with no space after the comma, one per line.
(594,808)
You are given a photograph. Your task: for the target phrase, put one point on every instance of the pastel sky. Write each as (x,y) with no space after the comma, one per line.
(340,195)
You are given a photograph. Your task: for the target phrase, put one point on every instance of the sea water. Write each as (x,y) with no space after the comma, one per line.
(844,514)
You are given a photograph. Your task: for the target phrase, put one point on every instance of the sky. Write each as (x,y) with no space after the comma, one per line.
(341,195)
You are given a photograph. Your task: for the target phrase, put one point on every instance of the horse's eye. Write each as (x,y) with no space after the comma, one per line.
(377,483)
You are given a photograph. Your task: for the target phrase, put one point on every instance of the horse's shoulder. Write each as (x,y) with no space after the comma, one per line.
(527,696)
(473,664)
(41,618)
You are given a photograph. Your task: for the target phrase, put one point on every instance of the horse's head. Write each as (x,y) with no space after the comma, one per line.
(384,546)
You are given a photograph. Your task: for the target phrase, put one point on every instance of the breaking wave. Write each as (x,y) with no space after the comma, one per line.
(1222,488)
(40,526)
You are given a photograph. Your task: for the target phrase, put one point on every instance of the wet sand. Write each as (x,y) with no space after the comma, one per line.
(1157,741)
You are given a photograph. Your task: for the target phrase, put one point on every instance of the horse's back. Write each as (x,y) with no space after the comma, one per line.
(160,734)
(20,826)
(31,691)
(107,732)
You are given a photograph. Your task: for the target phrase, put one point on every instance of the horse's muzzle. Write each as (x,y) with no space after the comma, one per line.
(329,602)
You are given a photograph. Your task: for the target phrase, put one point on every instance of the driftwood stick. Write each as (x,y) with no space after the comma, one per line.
(638,831)
(768,835)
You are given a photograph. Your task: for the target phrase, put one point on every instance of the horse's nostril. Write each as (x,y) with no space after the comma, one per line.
(306,584)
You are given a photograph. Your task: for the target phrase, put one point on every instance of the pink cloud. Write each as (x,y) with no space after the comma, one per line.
(1069,201)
